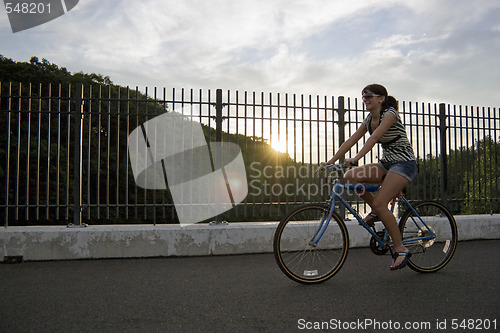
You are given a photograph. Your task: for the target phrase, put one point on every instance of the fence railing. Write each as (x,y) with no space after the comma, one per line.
(64,156)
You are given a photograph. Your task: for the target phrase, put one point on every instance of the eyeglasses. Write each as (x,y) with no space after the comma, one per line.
(369,95)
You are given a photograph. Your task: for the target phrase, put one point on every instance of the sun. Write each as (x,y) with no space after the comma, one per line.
(279,145)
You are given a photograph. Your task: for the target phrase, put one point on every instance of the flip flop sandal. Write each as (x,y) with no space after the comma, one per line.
(371,218)
(403,263)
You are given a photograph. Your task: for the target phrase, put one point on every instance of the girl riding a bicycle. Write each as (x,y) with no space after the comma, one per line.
(394,171)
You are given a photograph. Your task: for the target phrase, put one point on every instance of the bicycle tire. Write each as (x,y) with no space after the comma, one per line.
(429,255)
(297,258)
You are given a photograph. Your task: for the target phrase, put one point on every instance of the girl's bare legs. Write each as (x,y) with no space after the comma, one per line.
(392,184)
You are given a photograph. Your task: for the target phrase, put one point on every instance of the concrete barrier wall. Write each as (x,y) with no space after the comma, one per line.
(134,241)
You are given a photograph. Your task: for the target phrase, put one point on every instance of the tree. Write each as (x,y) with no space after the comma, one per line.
(473,185)
(483,185)
(110,112)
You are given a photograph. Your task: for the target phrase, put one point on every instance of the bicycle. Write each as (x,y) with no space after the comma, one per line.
(311,242)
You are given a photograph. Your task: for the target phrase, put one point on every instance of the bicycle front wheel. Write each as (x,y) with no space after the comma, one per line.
(430,233)
(308,247)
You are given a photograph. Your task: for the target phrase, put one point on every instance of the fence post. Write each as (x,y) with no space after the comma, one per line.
(218,115)
(77,161)
(218,131)
(341,123)
(444,157)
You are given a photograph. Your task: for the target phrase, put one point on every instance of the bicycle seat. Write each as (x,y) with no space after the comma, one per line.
(362,187)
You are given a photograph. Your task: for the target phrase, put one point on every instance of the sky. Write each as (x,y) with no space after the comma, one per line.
(433,51)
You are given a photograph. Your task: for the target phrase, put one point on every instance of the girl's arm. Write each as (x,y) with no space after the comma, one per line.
(389,120)
(347,145)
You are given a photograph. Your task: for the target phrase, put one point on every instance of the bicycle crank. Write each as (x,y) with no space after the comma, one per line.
(375,246)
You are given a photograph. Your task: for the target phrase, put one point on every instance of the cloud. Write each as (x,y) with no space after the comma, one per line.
(437,51)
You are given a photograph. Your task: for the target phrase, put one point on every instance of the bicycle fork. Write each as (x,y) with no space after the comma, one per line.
(325,221)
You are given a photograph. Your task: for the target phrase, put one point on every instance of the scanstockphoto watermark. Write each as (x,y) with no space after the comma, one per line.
(24,15)
(293,180)
(304,181)
(204,179)
(363,324)
(440,325)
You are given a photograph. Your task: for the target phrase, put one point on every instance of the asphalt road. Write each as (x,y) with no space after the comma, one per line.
(248,293)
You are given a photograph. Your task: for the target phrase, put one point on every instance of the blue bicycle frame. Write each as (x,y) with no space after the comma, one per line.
(360,188)
(325,221)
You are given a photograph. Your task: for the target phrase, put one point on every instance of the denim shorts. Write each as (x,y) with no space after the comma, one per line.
(407,169)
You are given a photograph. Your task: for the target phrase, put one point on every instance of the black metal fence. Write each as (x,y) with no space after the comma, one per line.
(64,154)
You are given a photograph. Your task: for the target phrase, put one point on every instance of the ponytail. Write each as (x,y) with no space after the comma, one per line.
(390,101)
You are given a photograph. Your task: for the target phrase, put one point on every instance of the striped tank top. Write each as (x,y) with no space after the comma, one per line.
(395,144)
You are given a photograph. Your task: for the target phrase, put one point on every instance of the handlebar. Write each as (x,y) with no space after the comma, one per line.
(336,166)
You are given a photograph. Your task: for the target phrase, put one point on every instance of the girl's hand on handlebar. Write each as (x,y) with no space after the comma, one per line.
(350,162)
(322,166)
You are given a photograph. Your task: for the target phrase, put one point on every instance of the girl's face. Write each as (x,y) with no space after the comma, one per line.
(372,101)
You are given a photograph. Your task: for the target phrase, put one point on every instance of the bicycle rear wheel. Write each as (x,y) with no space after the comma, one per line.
(429,254)
(297,255)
